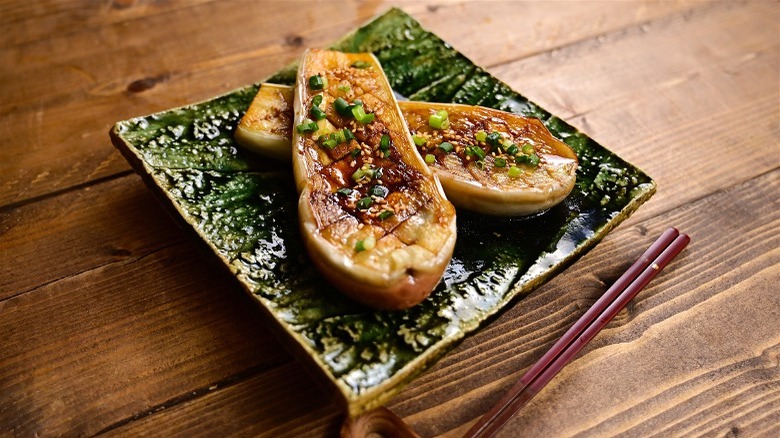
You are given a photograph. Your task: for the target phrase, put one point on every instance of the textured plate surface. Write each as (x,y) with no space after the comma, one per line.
(245,213)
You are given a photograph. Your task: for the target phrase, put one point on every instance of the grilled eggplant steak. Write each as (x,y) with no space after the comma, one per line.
(488,161)
(491,161)
(373,217)
(266,127)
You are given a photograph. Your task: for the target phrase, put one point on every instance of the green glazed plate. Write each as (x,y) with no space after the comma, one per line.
(244,209)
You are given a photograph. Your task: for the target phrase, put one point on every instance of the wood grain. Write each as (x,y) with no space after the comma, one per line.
(680,342)
(679,346)
(43,113)
(110,344)
(275,403)
(676,96)
(99,225)
(111,324)
(25,22)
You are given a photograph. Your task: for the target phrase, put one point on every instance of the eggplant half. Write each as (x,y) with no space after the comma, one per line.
(374,219)
(492,161)
(488,161)
(266,127)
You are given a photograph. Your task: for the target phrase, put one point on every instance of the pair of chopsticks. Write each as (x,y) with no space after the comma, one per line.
(660,253)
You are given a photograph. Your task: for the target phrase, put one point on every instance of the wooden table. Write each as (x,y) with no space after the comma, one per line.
(111,323)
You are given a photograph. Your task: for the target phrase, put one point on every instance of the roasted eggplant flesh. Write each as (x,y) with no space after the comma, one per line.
(374,219)
(266,127)
(492,161)
(488,161)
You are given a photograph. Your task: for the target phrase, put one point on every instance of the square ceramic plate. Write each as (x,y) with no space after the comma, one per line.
(243,208)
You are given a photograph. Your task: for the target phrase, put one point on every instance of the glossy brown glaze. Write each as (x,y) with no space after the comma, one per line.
(545,167)
(524,171)
(374,219)
(267,125)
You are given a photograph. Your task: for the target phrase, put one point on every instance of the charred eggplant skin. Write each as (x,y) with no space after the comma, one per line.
(374,219)
(482,158)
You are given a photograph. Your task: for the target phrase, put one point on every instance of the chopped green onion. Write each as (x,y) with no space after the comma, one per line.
(344,191)
(493,139)
(316,100)
(378,190)
(506,143)
(355,152)
(430,158)
(343,88)
(480,135)
(317,82)
(385,214)
(366,172)
(339,136)
(475,151)
(360,174)
(514,171)
(334,139)
(365,203)
(480,164)
(366,244)
(499,162)
(361,64)
(360,114)
(368,118)
(308,125)
(330,143)
(532,159)
(317,113)
(342,107)
(348,135)
(384,145)
(446,146)
(418,141)
(439,120)
(512,149)
(528,149)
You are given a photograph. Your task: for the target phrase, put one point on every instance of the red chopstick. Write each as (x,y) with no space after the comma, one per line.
(660,253)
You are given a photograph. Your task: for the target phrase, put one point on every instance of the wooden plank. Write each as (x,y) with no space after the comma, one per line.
(730,52)
(681,95)
(54,125)
(280,402)
(149,49)
(81,230)
(682,345)
(685,120)
(55,132)
(24,22)
(97,349)
(702,334)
